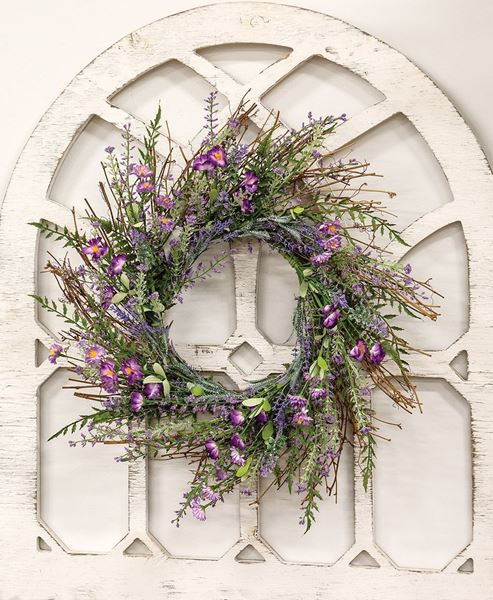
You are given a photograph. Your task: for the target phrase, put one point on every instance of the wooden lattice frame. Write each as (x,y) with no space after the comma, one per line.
(28,574)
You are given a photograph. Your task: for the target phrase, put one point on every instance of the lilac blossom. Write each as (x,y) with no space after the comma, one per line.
(318,394)
(250,182)
(321,259)
(247,207)
(333,243)
(330,227)
(107,296)
(236,457)
(331,320)
(197,511)
(145,187)
(301,418)
(165,202)
(166,223)
(262,417)
(236,441)
(210,494)
(141,171)
(202,163)
(236,417)
(296,402)
(217,156)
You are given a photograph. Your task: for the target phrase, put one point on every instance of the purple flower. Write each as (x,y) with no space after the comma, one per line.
(153,390)
(318,394)
(165,202)
(359,350)
(337,358)
(262,417)
(321,259)
(116,264)
(220,474)
(109,377)
(210,495)
(217,156)
(236,417)
(136,401)
(141,171)
(302,418)
(333,243)
(236,457)
(250,182)
(331,320)
(95,249)
(202,163)
(94,355)
(377,353)
(132,370)
(145,187)
(54,353)
(236,441)
(327,309)
(109,149)
(107,296)
(190,219)
(212,449)
(197,511)
(407,269)
(296,402)
(358,288)
(166,223)
(247,206)
(330,227)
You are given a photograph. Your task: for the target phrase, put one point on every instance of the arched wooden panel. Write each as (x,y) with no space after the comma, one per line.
(104,96)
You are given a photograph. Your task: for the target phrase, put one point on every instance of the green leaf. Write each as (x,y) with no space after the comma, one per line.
(307,272)
(303,288)
(213,194)
(119,297)
(158,369)
(166,387)
(322,363)
(152,379)
(196,390)
(298,210)
(267,431)
(241,471)
(266,405)
(252,401)
(125,281)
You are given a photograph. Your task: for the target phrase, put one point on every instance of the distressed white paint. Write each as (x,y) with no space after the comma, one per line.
(39,574)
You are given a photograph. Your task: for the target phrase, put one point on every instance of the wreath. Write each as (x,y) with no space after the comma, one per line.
(136,261)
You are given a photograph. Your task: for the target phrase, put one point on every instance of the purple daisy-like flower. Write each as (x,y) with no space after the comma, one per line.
(197,511)
(302,418)
(202,163)
(321,259)
(318,394)
(94,355)
(250,182)
(141,171)
(327,309)
(116,265)
(220,474)
(296,402)
(132,370)
(190,219)
(236,441)
(109,377)
(236,457)
(377,353)
(136,401)
(236,417)
(145,187)
(54,352)
(166,224)
(95,249)
(165,202)
(212,449)
(153,390)
(359,350)
(210,494)
(217,156)
(330,227)
(333,243)
(331,320)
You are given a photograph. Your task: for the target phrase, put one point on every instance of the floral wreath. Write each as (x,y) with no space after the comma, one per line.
(137,260)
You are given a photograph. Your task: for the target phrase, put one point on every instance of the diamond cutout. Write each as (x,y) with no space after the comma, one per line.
(249,554)
(137,548)
(245,358)
(243,62)
(364,559)
(460,364)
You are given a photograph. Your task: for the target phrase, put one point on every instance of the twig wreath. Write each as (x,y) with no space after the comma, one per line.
(138,259)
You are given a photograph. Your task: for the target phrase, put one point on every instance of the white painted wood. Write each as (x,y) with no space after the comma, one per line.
(39,574)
